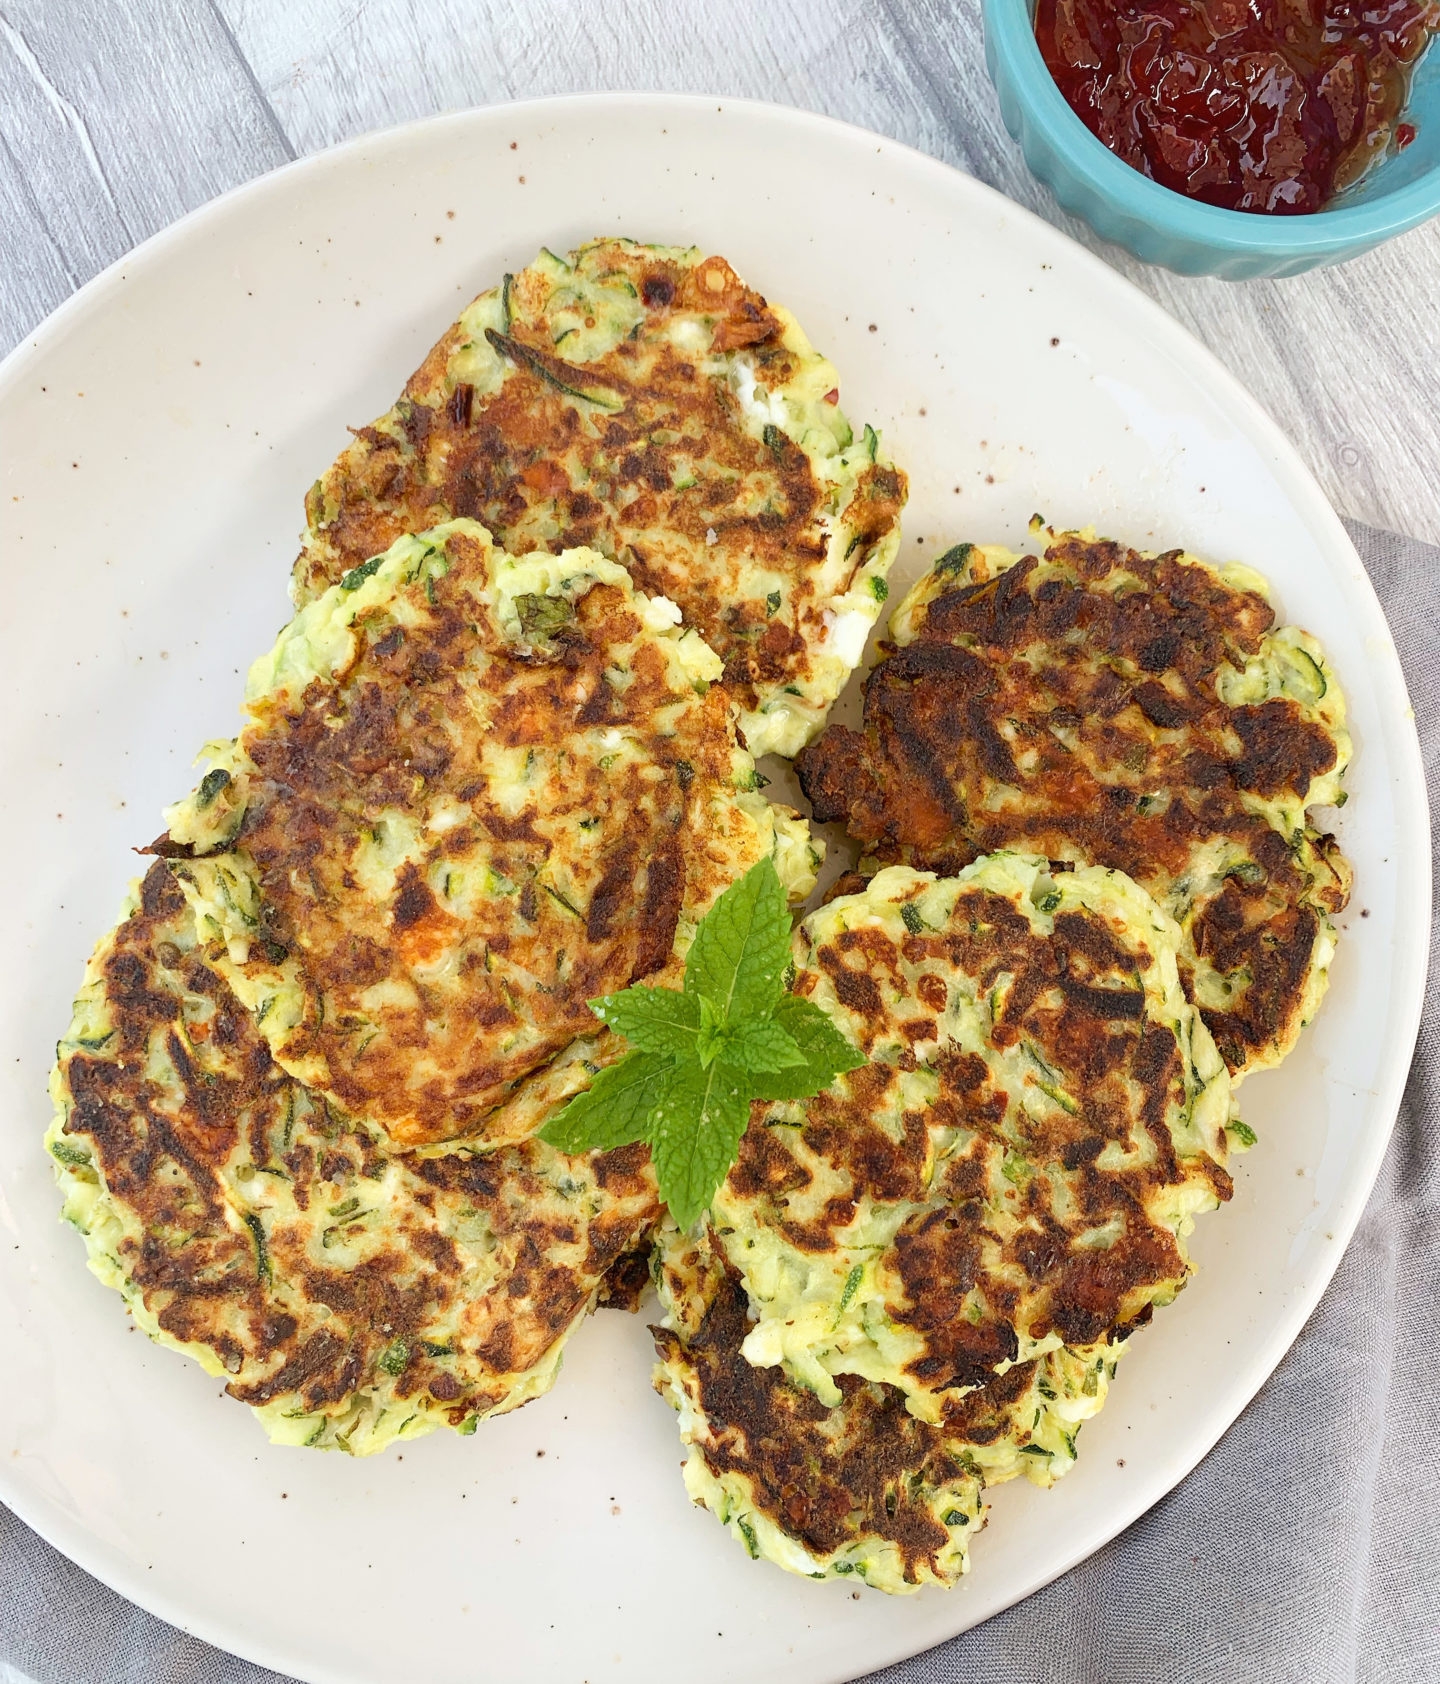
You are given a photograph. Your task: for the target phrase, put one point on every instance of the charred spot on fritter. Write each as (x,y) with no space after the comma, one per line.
(628,1280)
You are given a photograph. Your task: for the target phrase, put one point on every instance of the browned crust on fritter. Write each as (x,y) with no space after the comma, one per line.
(988,1413)
(402,719)
(500,459)
(1123,706)
(263,1308)
(628,1280)
(823,1476)
(1073,998)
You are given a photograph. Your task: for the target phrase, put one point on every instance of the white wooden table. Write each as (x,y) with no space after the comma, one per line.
(117,116)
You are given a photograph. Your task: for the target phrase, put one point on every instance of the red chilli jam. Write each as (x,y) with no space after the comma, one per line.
(1254,105)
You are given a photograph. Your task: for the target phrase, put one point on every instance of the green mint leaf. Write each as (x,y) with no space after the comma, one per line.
(657,1020)
(761,1044)
(615,1109)
(826,1052)
(710,1042)
(695,1134)
(702,1054)
(742,947)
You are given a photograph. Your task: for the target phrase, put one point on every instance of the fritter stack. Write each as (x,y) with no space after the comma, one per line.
(930,1269)
(1097,705)
(615,540)
(472,791)
(297,1108)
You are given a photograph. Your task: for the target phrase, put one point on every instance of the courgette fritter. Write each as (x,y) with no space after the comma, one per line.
(352,1296)
(862,1487)
(1017,1167)
(1102,706)
(644,402)
(472,792)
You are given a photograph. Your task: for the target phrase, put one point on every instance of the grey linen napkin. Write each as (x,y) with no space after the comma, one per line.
(1305,1549)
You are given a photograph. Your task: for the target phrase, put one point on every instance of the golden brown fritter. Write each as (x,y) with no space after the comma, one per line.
(864,1487)
(349,1295)
(854,1486)
(1100,706)
(1017,1166)
(645,402)
(473,792)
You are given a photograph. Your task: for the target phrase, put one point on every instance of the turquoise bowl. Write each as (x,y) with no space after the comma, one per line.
(1165,227)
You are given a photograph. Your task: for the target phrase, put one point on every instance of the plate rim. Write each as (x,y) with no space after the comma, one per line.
(1300,486)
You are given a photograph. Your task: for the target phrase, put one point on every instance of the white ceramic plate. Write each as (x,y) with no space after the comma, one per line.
(160,432)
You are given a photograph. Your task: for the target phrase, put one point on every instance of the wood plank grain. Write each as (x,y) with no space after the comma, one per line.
(116,117)
(320,66)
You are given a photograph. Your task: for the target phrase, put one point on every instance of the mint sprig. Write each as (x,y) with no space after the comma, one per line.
(702,1053)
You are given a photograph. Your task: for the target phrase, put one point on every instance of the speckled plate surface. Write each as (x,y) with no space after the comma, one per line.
(160,432)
